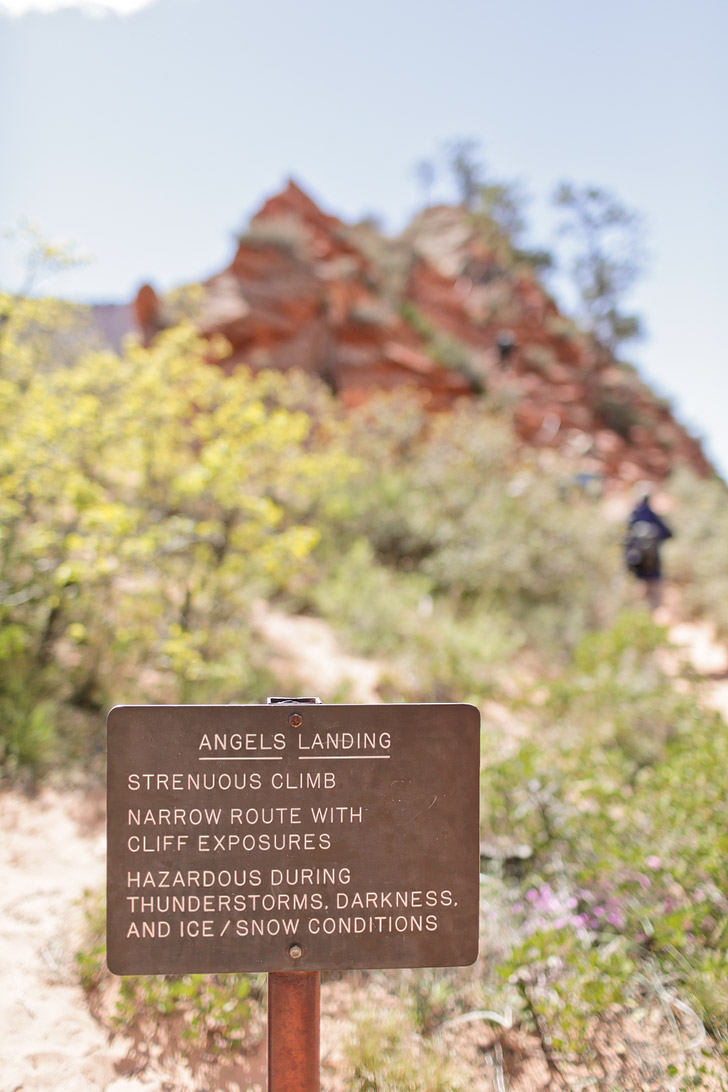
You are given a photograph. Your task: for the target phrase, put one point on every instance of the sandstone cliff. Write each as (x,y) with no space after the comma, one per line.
(444,310)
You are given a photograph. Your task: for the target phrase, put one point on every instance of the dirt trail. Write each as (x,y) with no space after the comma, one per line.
(52,849)
(708,657)
(307,651)
(706,654)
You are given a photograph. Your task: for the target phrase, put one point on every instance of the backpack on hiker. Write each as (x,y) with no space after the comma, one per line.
(642,549)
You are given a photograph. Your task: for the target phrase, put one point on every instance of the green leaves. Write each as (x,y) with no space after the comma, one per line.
(147,500)
(622,801)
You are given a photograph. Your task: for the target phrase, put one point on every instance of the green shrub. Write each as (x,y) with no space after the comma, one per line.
(214,1008)
(384,1054)
(444,348)
(28,715)
(285,233)
(27,730)
(566,980)
(618,414)
(539,358)
(433,651)
(621,798)
(453,500)
(697,558)
(145,502)
(210,1013)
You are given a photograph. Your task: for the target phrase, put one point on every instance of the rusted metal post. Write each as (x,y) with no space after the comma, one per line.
(294,1006)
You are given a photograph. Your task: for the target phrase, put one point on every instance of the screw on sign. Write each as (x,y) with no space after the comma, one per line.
(256,838)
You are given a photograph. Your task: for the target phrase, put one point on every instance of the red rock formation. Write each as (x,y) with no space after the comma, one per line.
(148,313)
(303,292)
(299,294)
(326,236)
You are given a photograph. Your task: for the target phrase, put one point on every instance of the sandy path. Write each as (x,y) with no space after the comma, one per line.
(49,1039)
(53,848)
(308,651)
(709,658)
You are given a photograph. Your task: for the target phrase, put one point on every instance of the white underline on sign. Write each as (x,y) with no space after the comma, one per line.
(246,758)
(336,758)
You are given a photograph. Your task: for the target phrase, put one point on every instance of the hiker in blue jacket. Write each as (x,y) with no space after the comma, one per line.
(646,532)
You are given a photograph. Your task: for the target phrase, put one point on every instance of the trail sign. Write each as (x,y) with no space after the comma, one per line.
(283,837)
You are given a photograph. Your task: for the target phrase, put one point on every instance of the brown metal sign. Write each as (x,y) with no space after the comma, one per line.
(280,838)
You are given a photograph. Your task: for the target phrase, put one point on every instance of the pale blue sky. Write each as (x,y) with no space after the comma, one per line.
(149,138)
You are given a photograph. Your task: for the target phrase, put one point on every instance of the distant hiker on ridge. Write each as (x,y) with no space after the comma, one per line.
(646,532)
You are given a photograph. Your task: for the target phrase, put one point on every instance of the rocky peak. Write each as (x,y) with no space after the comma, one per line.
(446,310)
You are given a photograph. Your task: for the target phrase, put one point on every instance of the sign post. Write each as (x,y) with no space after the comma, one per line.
(292,838)
(294,1005)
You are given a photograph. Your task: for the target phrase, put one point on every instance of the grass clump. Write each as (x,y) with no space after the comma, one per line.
(208,1013)
(212,1010)
(443,348)
(384,1053)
